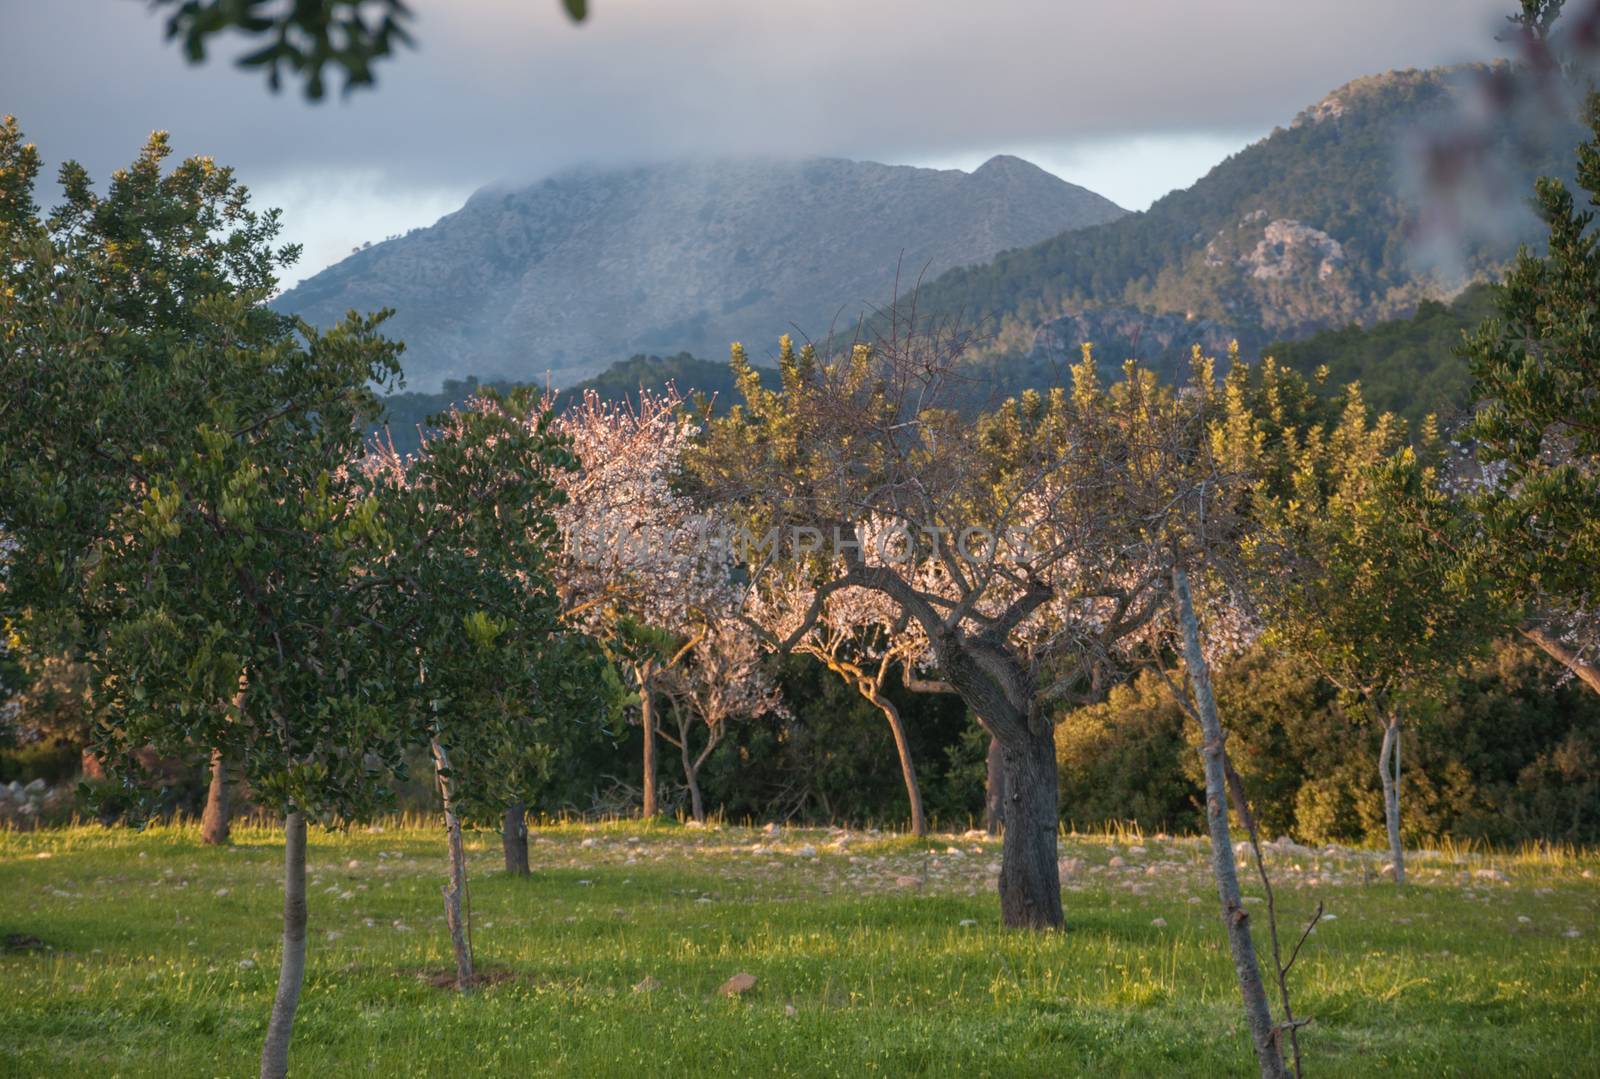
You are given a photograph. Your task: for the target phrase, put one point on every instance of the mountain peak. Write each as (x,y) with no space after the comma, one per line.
(561,277)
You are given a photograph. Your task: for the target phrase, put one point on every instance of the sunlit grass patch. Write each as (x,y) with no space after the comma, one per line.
(872,953)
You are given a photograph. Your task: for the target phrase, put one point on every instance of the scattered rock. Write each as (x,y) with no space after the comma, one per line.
(1574,933)
(908,882)
(247,964)
(790,1011)
(737,985)
(1116,862)
(1523,919)
(807,851)
(1159,923)
(968,923)
(23,942)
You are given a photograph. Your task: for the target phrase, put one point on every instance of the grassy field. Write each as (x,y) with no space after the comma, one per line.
(873,955)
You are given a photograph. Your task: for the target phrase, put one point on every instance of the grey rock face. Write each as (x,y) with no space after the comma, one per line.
(570,274)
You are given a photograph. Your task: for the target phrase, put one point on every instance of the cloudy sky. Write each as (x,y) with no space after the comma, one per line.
(1131,98)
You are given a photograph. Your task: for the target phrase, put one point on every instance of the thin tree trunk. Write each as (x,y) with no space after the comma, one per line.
(214,822)
(908,770)
(994,792)
(1030,876)
(697,806)
(1553,646)
(1389,772)
(514,838)
(456,889)
(647,723)
(292,969)
(1258,1013)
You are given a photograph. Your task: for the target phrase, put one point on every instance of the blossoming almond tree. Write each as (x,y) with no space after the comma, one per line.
(1043,518)
(721,680)
(642,570)
(859,635)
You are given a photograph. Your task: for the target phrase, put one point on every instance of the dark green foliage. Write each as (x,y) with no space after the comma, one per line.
(462,585)
(1536,366)
(304,37)
(833,759)
(1123,760)
(52,761)
(1510,752)
(1410,366)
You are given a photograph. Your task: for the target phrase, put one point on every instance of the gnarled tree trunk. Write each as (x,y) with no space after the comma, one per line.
(292,968)
(1389,772)
(1030,875)
(214,827)
(999,693)
(1235,919)
(455,891)
(994,791)
(514,838)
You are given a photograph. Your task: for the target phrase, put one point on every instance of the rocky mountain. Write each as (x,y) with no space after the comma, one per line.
(1313,227)
(562,277)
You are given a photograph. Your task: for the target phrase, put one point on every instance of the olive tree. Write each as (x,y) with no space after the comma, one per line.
(467,598)
(183,498)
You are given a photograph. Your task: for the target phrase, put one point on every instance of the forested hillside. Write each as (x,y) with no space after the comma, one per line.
(1308,229)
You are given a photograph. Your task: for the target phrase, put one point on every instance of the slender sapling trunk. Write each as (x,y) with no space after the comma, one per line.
(292,969)
(908,770)
(1236,920)
(1389,772)
(647,724)
(456,889)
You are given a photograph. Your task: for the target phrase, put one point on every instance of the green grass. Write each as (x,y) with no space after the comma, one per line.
(162,958)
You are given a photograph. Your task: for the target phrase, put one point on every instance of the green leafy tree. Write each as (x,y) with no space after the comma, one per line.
(1363,572)
(183,501)
(1536,367)
(468,600)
